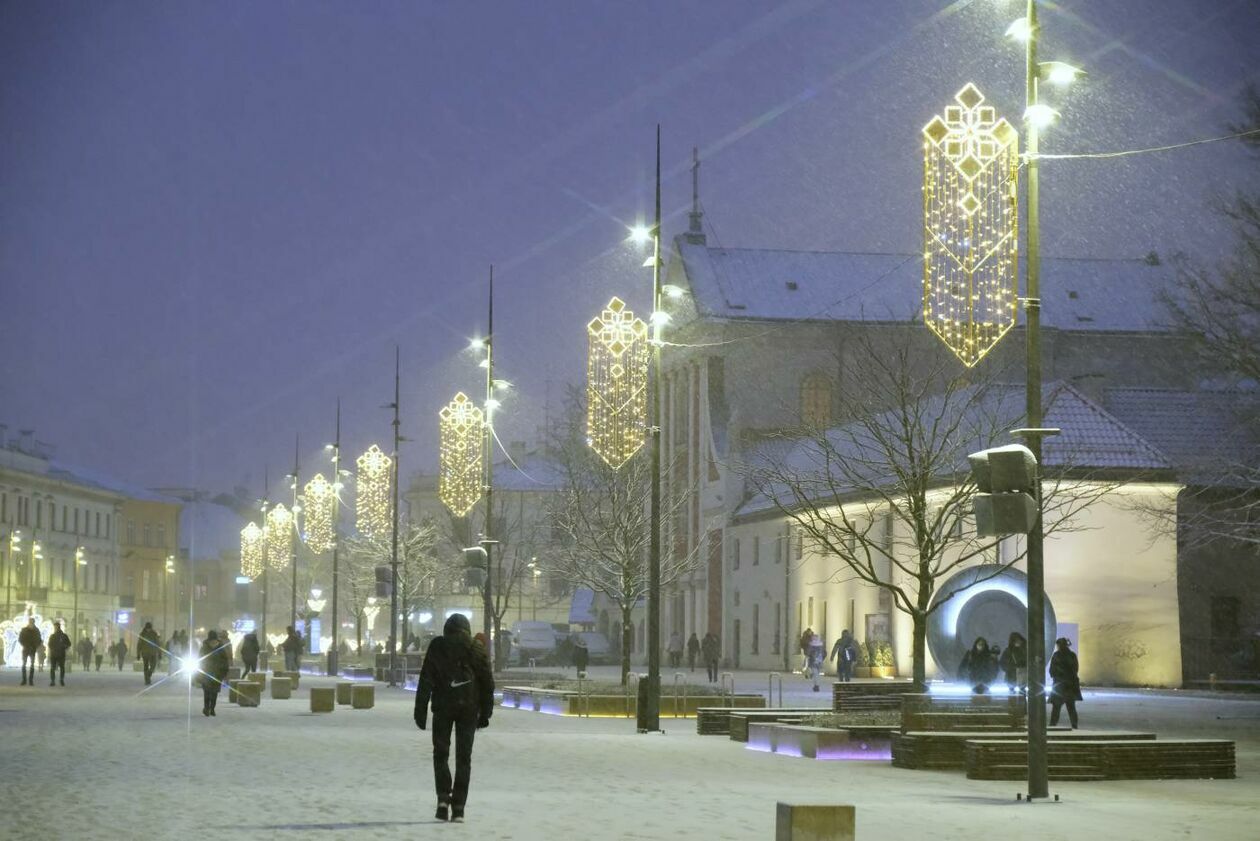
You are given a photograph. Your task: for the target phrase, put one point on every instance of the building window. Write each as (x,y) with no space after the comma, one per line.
(65,518)
(96,577)
(756,562)
(144,584)
(39,514)
(737,598)
(131,532)
(148,535)
(98,523)
(816,401)
(778,628)
(63,573)
(735,553)
(107,571)
(4,508)
(107,524)
(756,629)
(161,535)
(811,611)
(52,516)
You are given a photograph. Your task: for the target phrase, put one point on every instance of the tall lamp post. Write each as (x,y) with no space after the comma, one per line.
(294,478)
(15,546)
(393,538)
(488,541)
(79,561)
(167,613)
(336,539)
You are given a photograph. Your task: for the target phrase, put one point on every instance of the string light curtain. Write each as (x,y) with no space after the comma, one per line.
(616,383)
(373,484)
(279,534)
(970,226)
(252,549)
(461,426)
(318,501)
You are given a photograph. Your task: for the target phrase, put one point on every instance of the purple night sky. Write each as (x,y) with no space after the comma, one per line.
(216,218)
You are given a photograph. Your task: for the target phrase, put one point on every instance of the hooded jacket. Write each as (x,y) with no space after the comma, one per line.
(442,666)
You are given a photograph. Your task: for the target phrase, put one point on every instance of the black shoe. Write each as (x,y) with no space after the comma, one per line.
(24,681)
(457,814)
(442,813)
(63,683)
(212,711)
(54,683)
(205,711)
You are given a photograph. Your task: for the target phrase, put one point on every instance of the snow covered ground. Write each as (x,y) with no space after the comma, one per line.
(101,759)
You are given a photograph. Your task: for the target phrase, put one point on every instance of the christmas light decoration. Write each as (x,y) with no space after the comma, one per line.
(616,383)
(373,486)
(279,537)
(252,549)
(971,221)
(319,502)
(460,475)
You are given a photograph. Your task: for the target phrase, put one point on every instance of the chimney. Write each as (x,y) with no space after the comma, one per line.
(695,230)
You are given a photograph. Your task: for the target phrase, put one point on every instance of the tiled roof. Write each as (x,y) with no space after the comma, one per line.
(765,284)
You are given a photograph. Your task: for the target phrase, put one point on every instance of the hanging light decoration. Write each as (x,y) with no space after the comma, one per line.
(616,383)
(970,226)
(252,550)
(460,480)
(279,537)
(319,501)
(373,485)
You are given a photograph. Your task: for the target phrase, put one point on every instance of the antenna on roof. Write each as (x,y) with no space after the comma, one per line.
(695,231)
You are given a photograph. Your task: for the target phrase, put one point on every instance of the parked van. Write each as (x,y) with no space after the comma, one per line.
(533,640)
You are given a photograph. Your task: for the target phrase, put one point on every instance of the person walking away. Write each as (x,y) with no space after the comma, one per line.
(214,668)
(456,679)
(172,653)
(693,650)
(148,647)
(249,653)
(844,652)
(30,639)
(99,653)
(1065,682)
(581,656)
(292,648)
(816,652)
(1014,662)
(711,649)
(675,649)
(806,635)
(58,646)
(979,666)
(41,654)
(84,652)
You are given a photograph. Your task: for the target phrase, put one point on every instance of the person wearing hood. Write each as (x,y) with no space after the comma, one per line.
(214,668)
(58,647)
(844,652)
(249,653)
(979,666)
(149,646)
(581,655)
(84,650)
(1014,662)
(456,679)
(1065,682)
(120,651)
(292,648)
(693,651)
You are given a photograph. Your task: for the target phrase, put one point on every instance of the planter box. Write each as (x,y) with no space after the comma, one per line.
(281,688)
(343,692)
(248,693)
(323,699)
(363,696)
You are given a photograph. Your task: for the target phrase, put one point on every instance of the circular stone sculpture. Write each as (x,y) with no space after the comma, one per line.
(983,601)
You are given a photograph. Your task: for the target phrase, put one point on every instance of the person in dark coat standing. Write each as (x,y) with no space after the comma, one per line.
(693,651)
(120,651)
(29,638)
(1014,662)
(249,653)
(456,678)
(581,656)
(214,668)
(148,647)
(844,652)
(711,650)
(58,647)
(979,666)
(292,648)
(1065,682)
(84,651)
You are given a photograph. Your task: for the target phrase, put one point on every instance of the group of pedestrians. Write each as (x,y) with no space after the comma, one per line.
(982,663)
(32,643)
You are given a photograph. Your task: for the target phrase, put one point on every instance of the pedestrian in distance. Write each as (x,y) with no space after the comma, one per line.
(120,652)
(693,651)
(979,666)
(41,654)
(99,653)
(213,665)
(148,647)
(711,650)
(581,656)
(292,648)
(675,649)
(30,639)
(1065,682)
(806,635)
(815,653)
(58,647)
(456,679)
(1014,662)
(83,649)
(249,653)
(172,647)
(845,653)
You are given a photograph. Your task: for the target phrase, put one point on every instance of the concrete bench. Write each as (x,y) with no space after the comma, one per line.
(1106,759)
(814,822)
(363,696)
(937,750)
(248,693)
(323,699)
(819,742)
(259,678)
(358,673)
(234,673)
(294,677)
(343,692)
(281,688)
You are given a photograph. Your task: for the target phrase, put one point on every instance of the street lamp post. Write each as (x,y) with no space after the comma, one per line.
(79,561)
(488,540)
(393,540)
(297,508)
(650,717)
(336,540)
(167,611)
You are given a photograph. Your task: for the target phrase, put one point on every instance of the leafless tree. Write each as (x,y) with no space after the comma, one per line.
(417,568)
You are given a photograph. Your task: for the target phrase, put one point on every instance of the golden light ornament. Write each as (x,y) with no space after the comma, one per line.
(970,226)
(460,474)
(616,383)
(373,484)
(253,548)
(279,533)
(319,502)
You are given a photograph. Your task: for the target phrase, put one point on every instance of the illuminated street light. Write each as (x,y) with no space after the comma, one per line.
(640,234)
(1020,30)
(1040,115)
(1059,72)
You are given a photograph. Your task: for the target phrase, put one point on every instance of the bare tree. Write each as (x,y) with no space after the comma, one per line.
(604,516)
(417,568)
(888,494)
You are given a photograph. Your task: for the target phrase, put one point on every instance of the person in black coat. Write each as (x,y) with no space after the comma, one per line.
(1014,661)
(979,666)
(457,680)
(58,647)
(711,651)
(1064,681)
(249,653)
(693,651)
(581,656)
(213,667)
(29,638)
(149,646)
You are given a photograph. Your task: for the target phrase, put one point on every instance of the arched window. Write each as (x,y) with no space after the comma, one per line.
(816,401)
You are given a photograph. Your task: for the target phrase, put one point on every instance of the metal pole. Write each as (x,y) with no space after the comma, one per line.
(332,651)
(75,618)
(266,555)
(1038,779)
(488,542)
(393,562)
(652,715)
(294,559)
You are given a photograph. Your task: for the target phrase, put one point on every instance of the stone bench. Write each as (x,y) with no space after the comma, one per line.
(819,742)
(738,720)
(281,688)
(248,693)
(344,688)
(937,750)
(363,696)
(1105,759)
(294,677)
(814,822)
(234,673)
(973,722)
(259,678)
(323,699)
(358,673)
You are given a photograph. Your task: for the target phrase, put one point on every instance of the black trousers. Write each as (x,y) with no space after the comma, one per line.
(55,663)
(1056,704)
(248,666)
(210,694)
(712,666)
(455,793)
(28,658)
(150,663)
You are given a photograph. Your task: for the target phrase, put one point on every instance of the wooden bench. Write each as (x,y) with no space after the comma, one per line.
(738,721)
(922,711)
(939,750)
(872,695)
(1105,759)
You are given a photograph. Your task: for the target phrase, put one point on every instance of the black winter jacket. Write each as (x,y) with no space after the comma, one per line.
(441,668)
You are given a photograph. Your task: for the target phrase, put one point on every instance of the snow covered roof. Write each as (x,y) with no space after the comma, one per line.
(103,481)
(1091,439)
(209,530)
(768,284)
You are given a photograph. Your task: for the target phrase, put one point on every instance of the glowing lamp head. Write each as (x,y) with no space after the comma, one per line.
(1040,115)
(641,234)
(485,363)
(1020,31)
(1060,72)
(477,344)
(673,292)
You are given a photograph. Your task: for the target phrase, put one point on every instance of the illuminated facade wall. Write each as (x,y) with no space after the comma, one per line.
(148,534)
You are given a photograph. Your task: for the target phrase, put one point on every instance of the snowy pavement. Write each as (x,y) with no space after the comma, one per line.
(101,759)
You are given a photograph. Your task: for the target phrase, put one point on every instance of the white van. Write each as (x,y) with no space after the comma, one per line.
(533,640)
